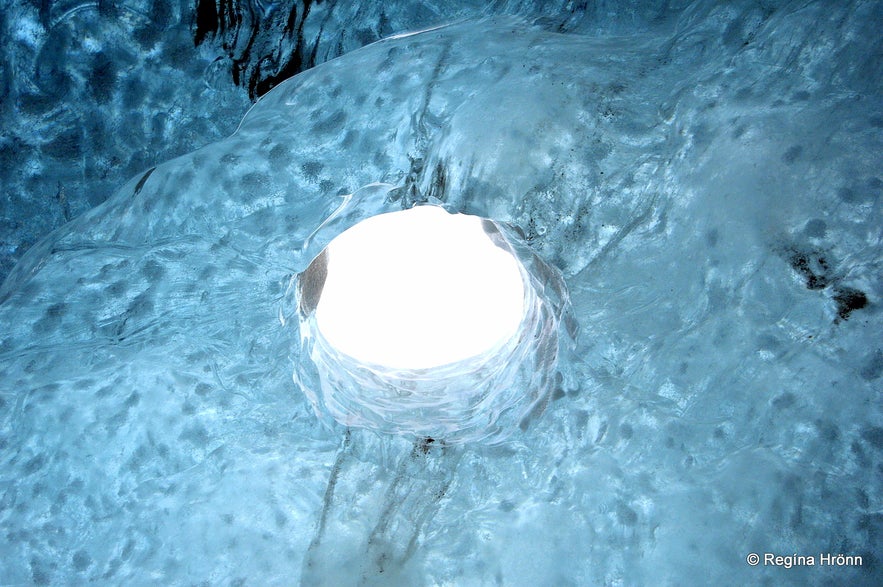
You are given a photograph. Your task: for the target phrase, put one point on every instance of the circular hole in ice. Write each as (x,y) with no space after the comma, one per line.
(417,289)
(429,324)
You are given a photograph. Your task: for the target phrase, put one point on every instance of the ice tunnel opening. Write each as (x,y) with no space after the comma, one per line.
(418,289)
(428,324)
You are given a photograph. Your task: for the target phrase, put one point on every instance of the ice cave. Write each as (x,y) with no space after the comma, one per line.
(683,387)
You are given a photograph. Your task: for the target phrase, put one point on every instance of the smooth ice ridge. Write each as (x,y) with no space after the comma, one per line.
(480,397)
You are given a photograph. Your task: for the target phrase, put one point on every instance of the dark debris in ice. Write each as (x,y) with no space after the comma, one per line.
(813,266)
(848,300)
(816,269)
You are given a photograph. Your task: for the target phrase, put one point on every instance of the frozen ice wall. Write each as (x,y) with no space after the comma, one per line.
(90,94)
(93,92)
(708,186)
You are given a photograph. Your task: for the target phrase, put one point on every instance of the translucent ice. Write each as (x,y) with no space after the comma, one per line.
(480,393)
(708,188)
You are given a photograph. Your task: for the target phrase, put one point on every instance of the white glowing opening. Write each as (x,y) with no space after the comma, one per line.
(419,288)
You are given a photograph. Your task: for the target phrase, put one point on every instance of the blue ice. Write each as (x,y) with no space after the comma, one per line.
(708,188)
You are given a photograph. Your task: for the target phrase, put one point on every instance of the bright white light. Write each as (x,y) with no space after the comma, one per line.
(417,289)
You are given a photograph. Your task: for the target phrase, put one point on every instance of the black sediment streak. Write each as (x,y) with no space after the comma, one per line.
(143,180)
(207,21)
(264,48)
(288,64)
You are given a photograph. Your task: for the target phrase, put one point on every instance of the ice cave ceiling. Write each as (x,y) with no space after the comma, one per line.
(702,179)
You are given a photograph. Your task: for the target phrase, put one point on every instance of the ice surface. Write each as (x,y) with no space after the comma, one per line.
(481,397)
(90,94)
(94,92)
(708,186)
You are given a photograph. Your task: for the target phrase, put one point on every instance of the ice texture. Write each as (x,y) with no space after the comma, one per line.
(92,93)
(261,44)
(708,186)
(479,398)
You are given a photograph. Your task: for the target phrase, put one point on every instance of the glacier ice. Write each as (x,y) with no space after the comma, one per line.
(90,94)
(707,186)
(483,394)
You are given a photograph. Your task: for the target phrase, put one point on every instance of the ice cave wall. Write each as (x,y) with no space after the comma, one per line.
(93,92)
(710,191)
